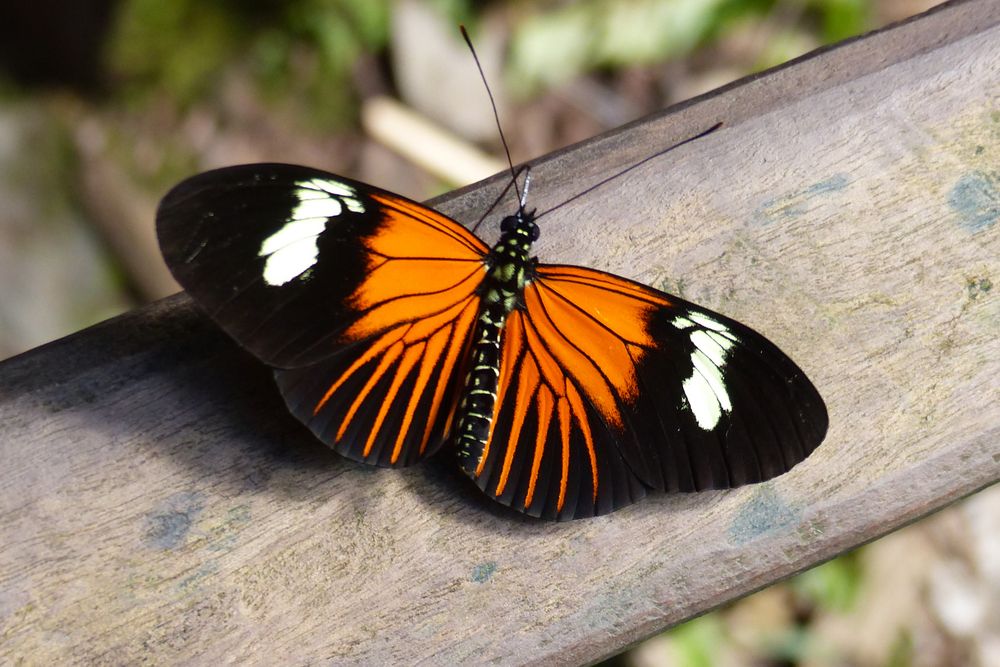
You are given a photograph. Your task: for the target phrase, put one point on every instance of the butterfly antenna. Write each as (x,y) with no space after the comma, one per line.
(503,194)
(630,168)
(496,115)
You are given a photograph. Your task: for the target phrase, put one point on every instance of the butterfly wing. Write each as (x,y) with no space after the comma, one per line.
(609,388)
(363,300)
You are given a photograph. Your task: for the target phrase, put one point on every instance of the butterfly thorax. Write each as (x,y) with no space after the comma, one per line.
(510,263)
(510,267)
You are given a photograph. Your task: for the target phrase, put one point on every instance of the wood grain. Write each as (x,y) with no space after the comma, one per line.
(158,504)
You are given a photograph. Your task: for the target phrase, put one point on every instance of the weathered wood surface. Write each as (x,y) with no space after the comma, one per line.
(157,504)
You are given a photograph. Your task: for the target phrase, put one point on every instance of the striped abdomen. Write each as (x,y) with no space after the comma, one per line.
(476,408)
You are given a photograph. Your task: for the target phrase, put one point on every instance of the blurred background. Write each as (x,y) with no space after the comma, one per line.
(106,104)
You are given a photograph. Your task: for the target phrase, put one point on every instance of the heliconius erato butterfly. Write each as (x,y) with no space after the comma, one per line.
(566,392)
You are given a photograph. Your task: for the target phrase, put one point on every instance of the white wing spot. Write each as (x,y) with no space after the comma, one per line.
(714,348)
(707,322)
(290,234)
(706,388)
(311,209)
(681,322)
(292,250)
(333,187)
(713,374)
(347,194)
(704,404)
(725,339)
(290,262)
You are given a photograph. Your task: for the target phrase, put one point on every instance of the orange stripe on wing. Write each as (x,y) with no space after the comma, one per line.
(527,383)
(387,298)
(460,343)
(564,429)
(543,403)
(598,353)
(407,334)
(426,339)
(376,349)
(429,359)
(609,301)
(568,276)
(400,231)
(552,373)
(406,364)
(390,357)
(418,263)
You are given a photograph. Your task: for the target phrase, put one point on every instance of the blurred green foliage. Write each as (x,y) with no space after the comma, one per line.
(553,46)
(902,651)
(296,49)
(833,586)
(697,642)
(844,18)
(305,50)
(172,47)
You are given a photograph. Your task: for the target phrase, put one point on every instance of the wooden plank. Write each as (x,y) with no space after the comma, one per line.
(158,504)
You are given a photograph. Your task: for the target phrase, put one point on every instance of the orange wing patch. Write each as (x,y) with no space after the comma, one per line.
(411,352)
(594,325)
(618,305)
(420,263)
(569,367)
(435,236)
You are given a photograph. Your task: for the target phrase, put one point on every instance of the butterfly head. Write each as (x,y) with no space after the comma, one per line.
(520,227)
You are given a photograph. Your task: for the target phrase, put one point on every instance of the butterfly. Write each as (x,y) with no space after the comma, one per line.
(393,331)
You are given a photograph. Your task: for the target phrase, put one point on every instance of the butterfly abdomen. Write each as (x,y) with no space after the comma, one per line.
(476,408)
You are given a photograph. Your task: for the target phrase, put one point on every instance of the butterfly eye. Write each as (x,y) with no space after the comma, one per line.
(507,224)
(534,232)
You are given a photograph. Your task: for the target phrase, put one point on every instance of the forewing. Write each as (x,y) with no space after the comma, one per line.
(362,300)
(296,263)
(609,388)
